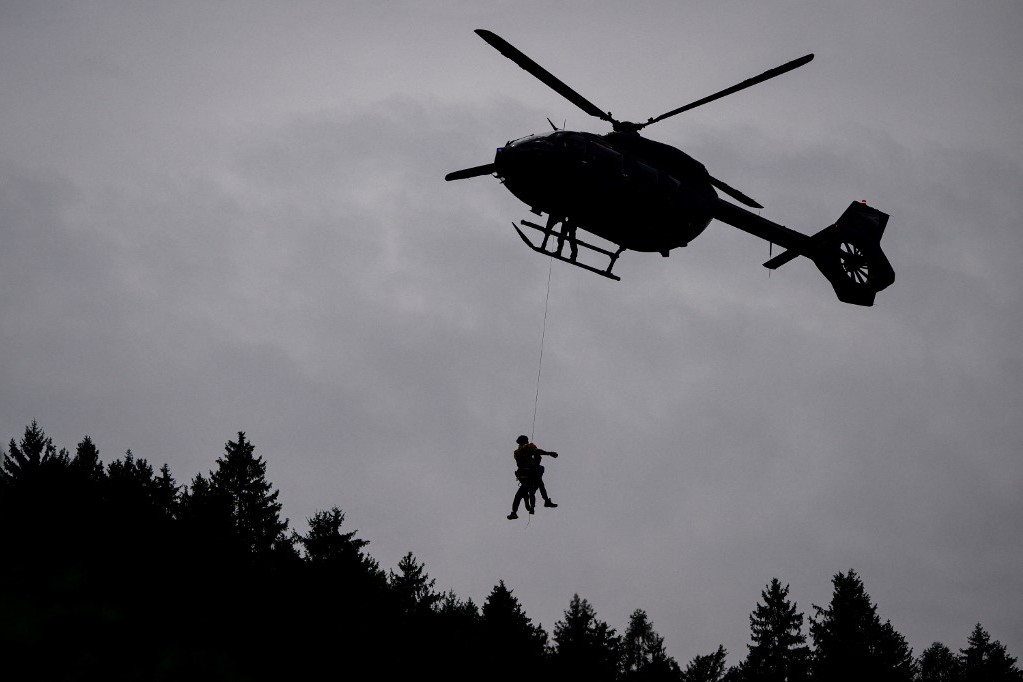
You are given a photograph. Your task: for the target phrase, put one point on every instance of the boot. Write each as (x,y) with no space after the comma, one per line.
(512,516)
(549,503)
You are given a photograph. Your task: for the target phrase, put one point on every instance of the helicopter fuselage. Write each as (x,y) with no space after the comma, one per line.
(640,194)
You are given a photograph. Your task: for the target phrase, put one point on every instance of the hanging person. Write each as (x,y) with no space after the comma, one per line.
(529,473)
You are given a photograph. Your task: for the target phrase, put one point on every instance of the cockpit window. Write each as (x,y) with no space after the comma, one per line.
(548,137)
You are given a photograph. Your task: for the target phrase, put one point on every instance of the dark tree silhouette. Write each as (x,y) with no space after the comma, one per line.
(130,482)
(587,648)
(462,616)
(338,563)
(326,544)
(986,660)
(22,465)
(937,663)
(86,461)
(206,513)
(706,667)
(118,572)
(643,652)
(412,586)
(240,477)
(166,493)
(778,652)
(37,489)
(510,640)
(851,642)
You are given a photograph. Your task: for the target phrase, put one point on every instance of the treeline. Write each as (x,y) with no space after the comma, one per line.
(120,572)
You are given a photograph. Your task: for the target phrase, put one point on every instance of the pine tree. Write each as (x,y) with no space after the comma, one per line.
(707,667)
(644,655)
(937,663)
(37,498)
(984,660)
(22,466)
(166,493)
(131,478)
(240,478)
(779,652)
(325,543)
(340,555)
(463,616)
(587,648)
(200,503)
(412,587)
(86,461)
(511,641)
(851,642)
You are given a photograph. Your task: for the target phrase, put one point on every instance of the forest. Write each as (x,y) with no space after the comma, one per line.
(118,571)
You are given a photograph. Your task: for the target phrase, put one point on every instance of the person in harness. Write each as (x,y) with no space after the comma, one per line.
(529,474)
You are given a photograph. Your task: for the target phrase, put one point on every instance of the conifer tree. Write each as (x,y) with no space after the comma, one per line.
(240,478)
(644,655)
(86,461)
(587,648)
(706,667)
(937,663)
(459,628)
(984,660)
(325,543)
(511,640)
(850,639)
(166,493)
(36,489)
(199,502)
(779,652)
(22,465)
(462,614)
(412,587)
(339,554)
(130,477)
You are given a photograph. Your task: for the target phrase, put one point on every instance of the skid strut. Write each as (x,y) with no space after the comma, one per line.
(549,230)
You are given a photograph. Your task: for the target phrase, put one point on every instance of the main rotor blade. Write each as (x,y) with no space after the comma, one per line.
(475,171)
(734,193)
(545,76)
(766,75)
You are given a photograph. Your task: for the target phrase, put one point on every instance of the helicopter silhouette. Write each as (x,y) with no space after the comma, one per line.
(643,195)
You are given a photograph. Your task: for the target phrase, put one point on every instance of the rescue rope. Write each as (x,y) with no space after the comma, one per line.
(543,335)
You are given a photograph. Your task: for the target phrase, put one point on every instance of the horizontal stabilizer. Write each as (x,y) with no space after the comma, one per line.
(781,259)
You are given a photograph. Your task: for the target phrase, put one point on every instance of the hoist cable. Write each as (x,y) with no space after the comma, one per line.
(543,335)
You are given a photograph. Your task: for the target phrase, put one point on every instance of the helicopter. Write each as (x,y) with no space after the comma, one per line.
(647,196)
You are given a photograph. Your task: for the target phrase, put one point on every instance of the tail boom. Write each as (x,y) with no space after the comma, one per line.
(848,253)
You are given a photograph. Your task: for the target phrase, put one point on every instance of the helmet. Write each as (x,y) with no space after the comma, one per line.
(522,440)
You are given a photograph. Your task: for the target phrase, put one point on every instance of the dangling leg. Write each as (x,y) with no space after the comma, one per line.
(520,495)
(547,501)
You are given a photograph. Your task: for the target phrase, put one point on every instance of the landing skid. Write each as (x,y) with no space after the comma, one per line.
(613,256)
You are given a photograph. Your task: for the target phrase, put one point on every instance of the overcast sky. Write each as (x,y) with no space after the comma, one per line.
(232,216)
